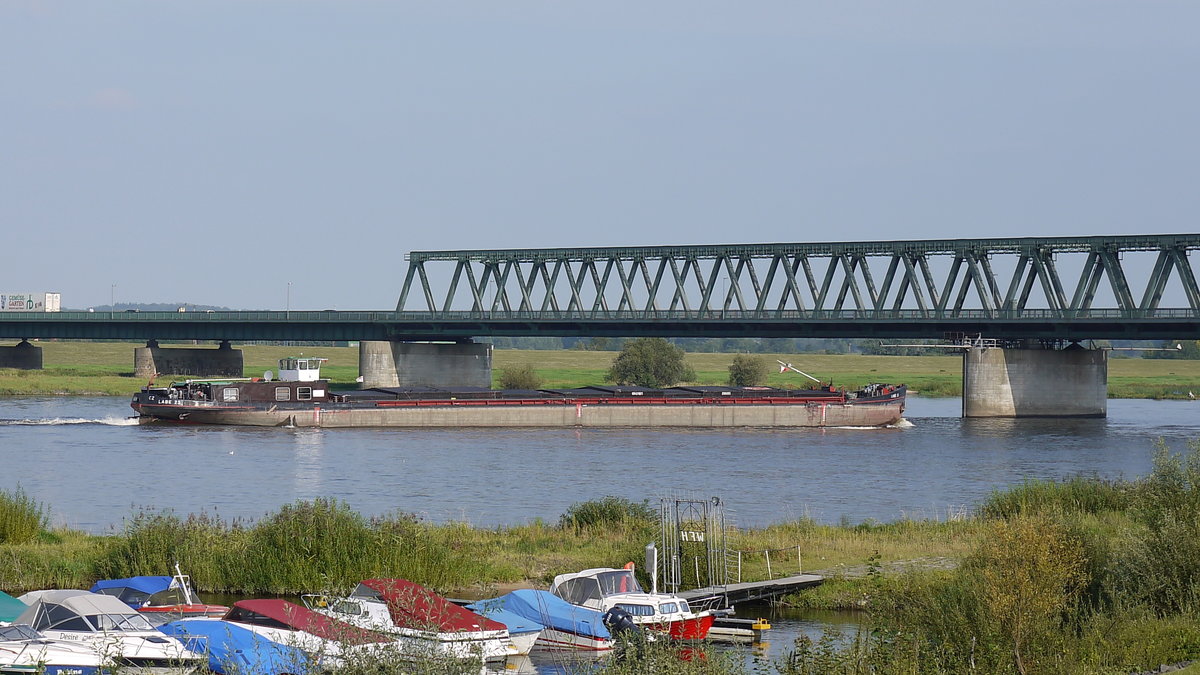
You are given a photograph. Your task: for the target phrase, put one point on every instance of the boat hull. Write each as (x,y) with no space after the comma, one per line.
(695,628)
(508,414)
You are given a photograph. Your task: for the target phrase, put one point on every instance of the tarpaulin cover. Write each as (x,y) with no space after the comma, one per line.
(553,612)
(517,624)
(234,649)
(147,585)
(414,606)
(10,607)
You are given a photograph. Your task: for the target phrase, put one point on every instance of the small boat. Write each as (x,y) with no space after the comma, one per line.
(605,588)
(423,621)
(161,597)
(324,639)
(566,626)
(24,650)
(237,650)
(121,635)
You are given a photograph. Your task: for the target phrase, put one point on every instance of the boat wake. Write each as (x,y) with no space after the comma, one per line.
(900,424)
(903,424)
(59,421)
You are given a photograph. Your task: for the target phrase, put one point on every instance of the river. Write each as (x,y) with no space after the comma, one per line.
(93,467)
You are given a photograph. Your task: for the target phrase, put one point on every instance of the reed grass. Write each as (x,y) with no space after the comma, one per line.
(21,517)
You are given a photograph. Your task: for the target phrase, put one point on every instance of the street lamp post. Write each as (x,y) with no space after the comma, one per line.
(112,301)
(288,310)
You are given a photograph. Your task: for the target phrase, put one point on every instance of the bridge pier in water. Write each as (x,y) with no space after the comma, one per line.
(224,361)
(392,363)
(1035,382)
(22,356)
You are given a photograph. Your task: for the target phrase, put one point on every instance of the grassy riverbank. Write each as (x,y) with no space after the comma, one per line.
(106,368)
(1073,576)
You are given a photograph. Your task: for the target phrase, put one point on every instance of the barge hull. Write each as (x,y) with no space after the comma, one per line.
(811,414)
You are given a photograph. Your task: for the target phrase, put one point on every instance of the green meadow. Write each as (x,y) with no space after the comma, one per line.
(106,368)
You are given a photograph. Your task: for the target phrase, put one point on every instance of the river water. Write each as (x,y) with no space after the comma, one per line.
(92,467)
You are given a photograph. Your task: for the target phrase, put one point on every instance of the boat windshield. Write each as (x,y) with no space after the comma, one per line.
(122,622)
(618,581)
(19,632)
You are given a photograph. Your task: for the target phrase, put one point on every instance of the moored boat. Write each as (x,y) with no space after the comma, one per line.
(422,621)
(24,650)
(566,627)
(121,635)
(160,598)
(236,650)
(301,398)
(605,588)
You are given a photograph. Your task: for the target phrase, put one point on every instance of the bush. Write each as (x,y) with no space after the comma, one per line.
(608,512)
(650,362)
(523,377)
(21,518)
(747,371)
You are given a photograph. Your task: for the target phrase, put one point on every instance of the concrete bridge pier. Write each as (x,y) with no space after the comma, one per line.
(224,361)
(392,363)
(1035,382)
(22,356)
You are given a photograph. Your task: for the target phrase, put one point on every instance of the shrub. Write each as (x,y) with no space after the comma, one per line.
(650,362)
(21,518)
(608,512)
(1073,496)
(747,371)
(523,377)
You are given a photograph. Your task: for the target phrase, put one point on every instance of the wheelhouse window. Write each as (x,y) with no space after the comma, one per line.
(303,393)
(229,394)
(283,393)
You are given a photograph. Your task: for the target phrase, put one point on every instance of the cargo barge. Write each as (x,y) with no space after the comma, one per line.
(300,398)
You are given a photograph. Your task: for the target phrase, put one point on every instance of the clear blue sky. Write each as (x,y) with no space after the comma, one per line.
(212,151)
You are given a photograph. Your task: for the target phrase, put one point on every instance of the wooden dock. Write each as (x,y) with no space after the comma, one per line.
(754,590)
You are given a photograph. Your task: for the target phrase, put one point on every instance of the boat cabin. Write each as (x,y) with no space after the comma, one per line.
(300,369)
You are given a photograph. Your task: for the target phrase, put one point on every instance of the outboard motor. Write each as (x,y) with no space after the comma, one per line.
(617,620)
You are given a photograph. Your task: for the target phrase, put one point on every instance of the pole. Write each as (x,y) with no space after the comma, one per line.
(112,301)
(288,308)
(768,554)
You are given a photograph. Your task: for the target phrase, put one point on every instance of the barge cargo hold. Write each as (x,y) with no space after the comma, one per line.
(300,398)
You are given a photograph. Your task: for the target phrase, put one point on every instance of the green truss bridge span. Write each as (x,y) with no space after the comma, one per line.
(1072,288)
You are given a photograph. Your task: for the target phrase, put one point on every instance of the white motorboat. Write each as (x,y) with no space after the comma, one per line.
(24,650)
(605,588)
(122,637)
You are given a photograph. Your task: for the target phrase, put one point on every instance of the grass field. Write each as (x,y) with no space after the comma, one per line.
(106,368)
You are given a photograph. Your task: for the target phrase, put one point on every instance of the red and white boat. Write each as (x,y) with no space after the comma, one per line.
(605,588)
(419,619)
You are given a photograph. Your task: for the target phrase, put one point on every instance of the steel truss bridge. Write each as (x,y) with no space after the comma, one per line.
(1002,288)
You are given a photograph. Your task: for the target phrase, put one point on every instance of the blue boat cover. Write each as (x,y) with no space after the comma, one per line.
(515,623)
(234,649)
(147,585)
(10,607)
(552,611)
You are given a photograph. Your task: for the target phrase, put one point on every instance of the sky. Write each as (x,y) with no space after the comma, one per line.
(253,154)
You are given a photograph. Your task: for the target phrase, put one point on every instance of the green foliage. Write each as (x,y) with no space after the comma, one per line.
(650,362)
(1161,566)
(636,654)
(21,518)
(1074,495)
(520,377)
(609,512)
(747,371)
